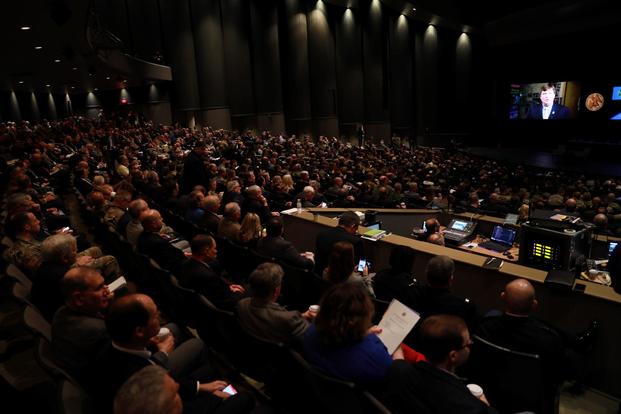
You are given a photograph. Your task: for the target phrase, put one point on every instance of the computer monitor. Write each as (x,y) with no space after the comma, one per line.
(611,247)
(503,235)
(374,226)
(459,225)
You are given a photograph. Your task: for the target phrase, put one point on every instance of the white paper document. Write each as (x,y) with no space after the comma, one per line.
(396,324)
(120,282)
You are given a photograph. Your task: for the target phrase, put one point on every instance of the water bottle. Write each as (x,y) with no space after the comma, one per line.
(298,205)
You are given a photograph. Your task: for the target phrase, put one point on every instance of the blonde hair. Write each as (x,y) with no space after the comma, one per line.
(287,181)
(250,228)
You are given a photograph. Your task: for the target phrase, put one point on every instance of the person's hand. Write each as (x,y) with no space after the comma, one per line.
(374,330)
(237,289)
(187,254)
(52,210)
(483,398)
(309,316)
(398,354)
(165,344)
(84,260)
(365,271)
(213,387)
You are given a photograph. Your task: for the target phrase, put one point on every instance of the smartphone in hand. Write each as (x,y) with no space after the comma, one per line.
(229,389)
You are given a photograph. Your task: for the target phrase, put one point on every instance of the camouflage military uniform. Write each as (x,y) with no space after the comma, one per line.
(26,255)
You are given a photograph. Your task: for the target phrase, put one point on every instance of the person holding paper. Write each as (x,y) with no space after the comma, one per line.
(342,341)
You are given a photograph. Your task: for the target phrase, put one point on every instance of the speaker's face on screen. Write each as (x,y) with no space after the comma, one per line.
(547,97)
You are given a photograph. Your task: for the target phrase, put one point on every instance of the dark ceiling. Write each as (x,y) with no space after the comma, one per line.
(58,27)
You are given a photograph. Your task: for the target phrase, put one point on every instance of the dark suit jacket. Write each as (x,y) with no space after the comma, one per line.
(45,293)
(411,386)
(204,280)
(434,301)
(159,249)
(270,321)
(255,206)
(229,229)
(326,239)
(283,250)
(527,334)
(194,172)
(210,221)
(388,285)
(558,112)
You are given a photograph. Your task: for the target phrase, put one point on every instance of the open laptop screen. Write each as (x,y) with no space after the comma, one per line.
(503,235)
(611,247)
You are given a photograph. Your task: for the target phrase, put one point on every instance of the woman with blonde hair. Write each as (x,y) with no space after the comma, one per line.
(251,230)
(287,181)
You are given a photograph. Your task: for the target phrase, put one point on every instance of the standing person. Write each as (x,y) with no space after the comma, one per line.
(361,135)
(194,170)
(548,109)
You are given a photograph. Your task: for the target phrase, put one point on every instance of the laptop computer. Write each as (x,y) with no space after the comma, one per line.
(501,240)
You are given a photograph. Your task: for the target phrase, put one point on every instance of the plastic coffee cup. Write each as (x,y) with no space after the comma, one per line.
(475,390)
(163,333)
(313,309)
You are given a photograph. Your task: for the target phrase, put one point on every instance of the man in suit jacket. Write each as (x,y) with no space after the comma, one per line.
(548,109)
(210,220)
(345,231)
(229,225)
(274,245)
(445,342)
(262,317)
(194,170)
(133,324)
(198,274)
(158,245)
(436,297)
(255,202)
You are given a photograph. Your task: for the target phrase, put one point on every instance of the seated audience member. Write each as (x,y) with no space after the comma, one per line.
(78,329)
(342,342)
(134,229)
(345,231)
(149,391)
(229,227)
(436,238)
(58,255)
(233,193)
(198,274)
(195,210)
(26,250)
(255,202)
(308,195)
(210,219)
(117,209)
(133,326)
(158,246)
(397,282)
(275,245)
(261,316)
(341,267)
(445,341)
(436,297)
(250,231)
(519,330)
(432,226)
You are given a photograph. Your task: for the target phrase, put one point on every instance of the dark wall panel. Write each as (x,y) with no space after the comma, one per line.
(179,52)
(429,74)
(239,80)
(350,82)
(321,61)
(209,53)
(375,64)
(266,56)
(401,84)
(295,64)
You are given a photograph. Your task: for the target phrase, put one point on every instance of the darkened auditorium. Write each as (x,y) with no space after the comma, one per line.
(310,207)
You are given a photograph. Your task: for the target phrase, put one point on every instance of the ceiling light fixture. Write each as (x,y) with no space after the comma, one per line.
(47,85)
(74,68)
(21,82)
(56,60)
(38,47)
(108,77)
(24,28)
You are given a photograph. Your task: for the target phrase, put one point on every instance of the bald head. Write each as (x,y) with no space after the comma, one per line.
(126,315)
(519,297)
(151,220)
(136,207)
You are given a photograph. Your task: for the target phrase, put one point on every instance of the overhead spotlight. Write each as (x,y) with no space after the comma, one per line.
(47,85)
(56,60)
(24,28)
(21,82)
(38,47)
(107,77)
(74,68)
(96,89)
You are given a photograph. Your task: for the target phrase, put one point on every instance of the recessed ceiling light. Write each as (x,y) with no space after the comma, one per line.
(25,28)
(21,82)
(74,68)
(96,89)
(38,47)
(56,60)
(124,80)
(47,85)
(73,87)
(108,77)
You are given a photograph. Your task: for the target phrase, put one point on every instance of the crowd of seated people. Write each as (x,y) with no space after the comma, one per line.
(228,185)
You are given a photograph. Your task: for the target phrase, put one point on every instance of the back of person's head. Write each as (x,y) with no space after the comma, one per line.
(432,226)
(231,211)
(345,315)
(136,208)
(150,220)
(250,227)
(201,242)
(600,220)
(440,271)
(340,262)
(211,203)
(349,219)
(274,226)
(58,248)
(439,335)
(264,280)
(76,280)
(401,259)
(125,315)
(149,391)
(17,223)
(253,191)
(519,297)
(436,238)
